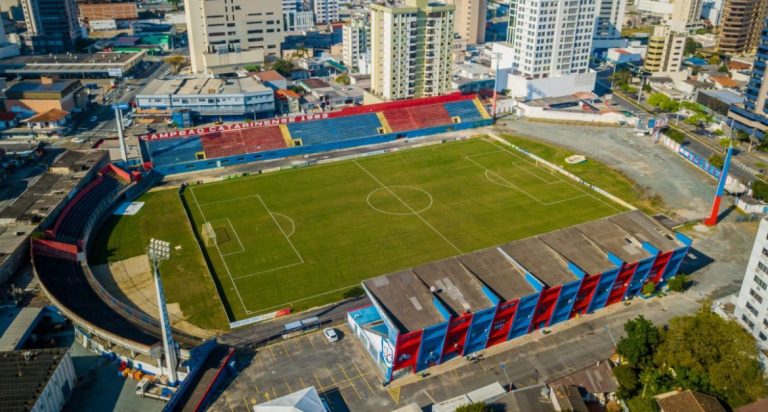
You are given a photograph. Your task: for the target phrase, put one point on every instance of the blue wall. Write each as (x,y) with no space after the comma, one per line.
(523,316)
(565,302)
(640,276)
(431,347)
(604,288)
(479,330)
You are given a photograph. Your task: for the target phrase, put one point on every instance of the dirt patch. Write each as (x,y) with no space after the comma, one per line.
(130,281)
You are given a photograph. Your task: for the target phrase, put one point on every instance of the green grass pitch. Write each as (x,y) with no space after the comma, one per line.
(302,237)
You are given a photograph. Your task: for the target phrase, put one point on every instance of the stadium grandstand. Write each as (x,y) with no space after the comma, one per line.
(432,313)
(226,145)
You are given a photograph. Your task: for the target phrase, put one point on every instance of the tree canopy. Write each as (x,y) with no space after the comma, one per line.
(663,102)
(703,352)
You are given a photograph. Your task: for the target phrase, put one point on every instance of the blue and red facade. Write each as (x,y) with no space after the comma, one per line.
(515,299)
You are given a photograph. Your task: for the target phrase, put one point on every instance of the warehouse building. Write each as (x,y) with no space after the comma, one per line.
(430,314)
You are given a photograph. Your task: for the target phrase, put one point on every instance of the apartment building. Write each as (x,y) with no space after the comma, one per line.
(686,15)
(742,21)
(752,303)
(665,50)
(52,25)
(225,35)
(297,16)
(470,19)
(326,11)
(548,48)
(411,47)
(610,19)
(356,41)
(751,117)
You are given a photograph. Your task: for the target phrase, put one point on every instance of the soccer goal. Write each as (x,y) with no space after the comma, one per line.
(209,235)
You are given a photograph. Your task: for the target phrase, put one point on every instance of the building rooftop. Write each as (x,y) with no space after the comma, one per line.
(454,285)
(540,260)
(688,401)
(529,399)
(269,75)
(24,374)
(19,328)
(501,276)
(406,298)
(614,239)
(597,379)
(725,96)
(646,230)
(53,115)
(203,86)
(578,249)
(27,87)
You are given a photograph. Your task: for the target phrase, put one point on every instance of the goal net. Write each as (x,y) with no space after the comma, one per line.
(209,235)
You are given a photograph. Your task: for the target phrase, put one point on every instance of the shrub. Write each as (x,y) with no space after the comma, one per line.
(355,292)
(675,135)
(716,161)
(649,288)
(474,407)
(678,283)
(626,376)
(760,190)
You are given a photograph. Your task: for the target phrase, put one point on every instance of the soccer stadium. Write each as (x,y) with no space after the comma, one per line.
(459,243)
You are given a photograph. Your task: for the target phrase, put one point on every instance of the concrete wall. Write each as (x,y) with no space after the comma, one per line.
(555,86)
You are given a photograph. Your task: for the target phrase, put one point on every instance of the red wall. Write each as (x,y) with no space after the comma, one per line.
(456,336)
(407,350)
(622,283)
(657,270)
(502,322)
(584,297)
(545,307)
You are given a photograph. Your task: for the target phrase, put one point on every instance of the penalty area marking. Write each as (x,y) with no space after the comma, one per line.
(411,210)
(293,224)
(242,248)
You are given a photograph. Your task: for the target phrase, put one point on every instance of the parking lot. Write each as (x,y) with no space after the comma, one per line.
(342,373)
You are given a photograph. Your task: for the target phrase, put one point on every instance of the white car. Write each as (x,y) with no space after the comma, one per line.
(330,334)
(79,140)
(93,119)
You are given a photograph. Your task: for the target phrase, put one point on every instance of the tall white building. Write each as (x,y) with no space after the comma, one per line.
(326,11)
(686,15)
(229,34)
(297,17)
(752,303)
(548,48)
(610,19)
(470,19)
(665,51)
(411,47)
(356,41)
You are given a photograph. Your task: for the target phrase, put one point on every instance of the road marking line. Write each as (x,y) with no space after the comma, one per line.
(407,206)
(303,385)
(429,396)
(288,386)
(363,376)
(350,381)
(228,200)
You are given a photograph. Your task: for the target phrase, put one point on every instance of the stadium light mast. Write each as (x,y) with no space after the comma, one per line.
(120,134)
(496,83)
(158,251)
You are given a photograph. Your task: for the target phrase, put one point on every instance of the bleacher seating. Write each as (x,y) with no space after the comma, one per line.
(418,117)
(335,129)
(71,223)
(173,151)
(236,142)
(64,279)
(465,110)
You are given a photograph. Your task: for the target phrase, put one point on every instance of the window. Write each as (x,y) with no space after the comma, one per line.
(756,296)
(751,309)
(760,282)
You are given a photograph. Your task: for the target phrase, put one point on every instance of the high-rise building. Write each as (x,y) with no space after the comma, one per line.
(609,20)
(411,47)
(686,15)
(297,17)
(752,116)
(356,41)
(741,23)
(326,11)
(228,34)
(548,48)
(469,20)
(52,25)
(752,303)
(665,50)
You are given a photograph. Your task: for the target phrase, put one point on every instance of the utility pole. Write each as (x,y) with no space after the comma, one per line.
(159,251)
(504,369)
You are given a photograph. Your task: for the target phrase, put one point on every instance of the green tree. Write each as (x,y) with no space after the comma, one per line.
(663,102)
(678,283)
(621,77)
(715,59)
(253,68)
(343,79)
(628,381)
(716,160)
(282,66)
(643,404)
(642,339)
(691,46)
(356,291)
(723,68)
(760,190)
(474,407)
(649,288)
(704,352)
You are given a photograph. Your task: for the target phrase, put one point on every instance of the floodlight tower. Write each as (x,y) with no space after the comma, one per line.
(158,251)
(712,219)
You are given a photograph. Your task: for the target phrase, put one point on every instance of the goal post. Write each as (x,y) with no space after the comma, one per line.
(209,235)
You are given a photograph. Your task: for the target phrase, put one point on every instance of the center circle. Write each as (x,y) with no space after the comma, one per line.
(399,200)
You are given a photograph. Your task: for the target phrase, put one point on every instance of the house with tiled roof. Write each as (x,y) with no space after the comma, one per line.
(688,401)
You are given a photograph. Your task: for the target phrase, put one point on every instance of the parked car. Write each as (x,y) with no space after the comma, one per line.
(330,334)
